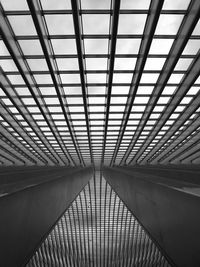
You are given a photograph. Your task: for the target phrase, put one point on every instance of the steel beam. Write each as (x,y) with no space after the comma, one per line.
(185,150)
(113,31)
(188,142)
(93,11)
(31,207)
(16,53)
(23,111)
(150,26)
(80,52)
(190,109)
(185,30)
(168,209)
(34,7)
(191,155)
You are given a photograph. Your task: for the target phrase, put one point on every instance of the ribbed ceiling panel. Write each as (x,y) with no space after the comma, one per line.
(98,230)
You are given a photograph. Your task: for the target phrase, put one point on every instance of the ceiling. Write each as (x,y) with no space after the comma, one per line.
(99,82)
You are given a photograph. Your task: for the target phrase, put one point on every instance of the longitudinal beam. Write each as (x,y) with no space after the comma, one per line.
(11,143)
(11,93)
(42,33)
(79,45)
(114,29)
(180,138)
(186,28)
(15,52)
(151,22)
(187,81)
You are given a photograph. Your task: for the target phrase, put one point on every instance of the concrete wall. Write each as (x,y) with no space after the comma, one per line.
(170,214)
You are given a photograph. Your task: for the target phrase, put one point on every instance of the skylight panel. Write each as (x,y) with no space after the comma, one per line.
(37,64)
(64,46)
(97,100)
(169,90)
(197,81)
(141,100)
(23,91)
(176,5)
(96,78)
(196,29)
(149,77)
(92,90)
(97,108)
(145,90)
(91,63)
(14,5)
(168,24)
(2,92)
(138,108)
(43,78)
(76,109)
(124,63)
(131,24)
(67,63)
(183,64)
(118,100)
(7,102)
(28,101)
(193,91)
(88,4)
(48,91)
(91,24)
(158,108)
(122,77)
(135,116)
(72,90)
(154,63)
(127,46)
(120,89)
(22,25)
(33,109)
(192,47)
(75,100)
(161,46)
(31,47)
(70,78)
(3,49)
(117,108)
(175,78)
(55,4)
(142,4)
(8,65)
(15,79)
(163,100)
(60,24)
(55,109)
(96,46)
(186,100)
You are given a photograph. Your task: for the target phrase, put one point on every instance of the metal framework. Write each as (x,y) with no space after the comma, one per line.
(107,83)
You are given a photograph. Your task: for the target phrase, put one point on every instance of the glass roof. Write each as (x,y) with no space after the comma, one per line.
(99,82)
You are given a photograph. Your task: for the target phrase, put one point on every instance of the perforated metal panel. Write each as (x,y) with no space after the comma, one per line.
(98,230)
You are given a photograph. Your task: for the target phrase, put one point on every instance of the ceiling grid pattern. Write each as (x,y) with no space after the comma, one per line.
(99,82)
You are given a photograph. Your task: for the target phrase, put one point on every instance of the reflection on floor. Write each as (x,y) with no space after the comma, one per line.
(98,230)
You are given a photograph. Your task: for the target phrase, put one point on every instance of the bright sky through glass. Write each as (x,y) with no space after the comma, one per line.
(106,86)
